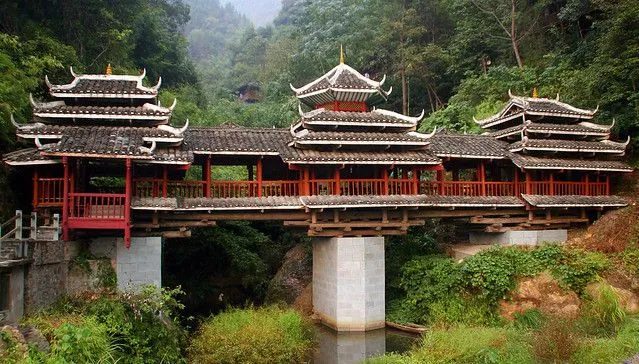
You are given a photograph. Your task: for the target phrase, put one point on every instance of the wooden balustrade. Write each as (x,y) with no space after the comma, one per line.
(96,205)
(49,192)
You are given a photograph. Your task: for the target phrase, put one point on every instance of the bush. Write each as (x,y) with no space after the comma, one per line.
(468,345)
(529,319)
(264,335)
(603,314)
(611,349)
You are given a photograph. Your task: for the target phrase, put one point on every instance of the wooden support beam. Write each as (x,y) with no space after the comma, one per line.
(482,177)
(521,220)
(176,234)
(35,188)
(366,224)
(165,181)
(128,191)
(336,177)
(207,176)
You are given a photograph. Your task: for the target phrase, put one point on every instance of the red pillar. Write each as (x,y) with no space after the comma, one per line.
(482,177)
(127,203)
(441,178)
(259,170)
(35,188)
(552,184)
(517,191)
(528,183)
(385,188)
(587,185)
(165,181)
(607,185)
(415,181)
(304,189)
(207,177)
(336,177)
(65,200)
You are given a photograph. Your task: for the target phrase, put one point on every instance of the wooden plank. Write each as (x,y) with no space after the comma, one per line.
(367,224)
(354,233)
(557,220)
(237,216)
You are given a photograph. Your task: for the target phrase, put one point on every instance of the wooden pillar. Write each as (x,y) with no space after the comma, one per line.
(587,185)
(304,188)
(336,178)
(441,178)
(65,200)
(482,178)
(552,184)
(385,178)
(207,177)
(528,183)
(127,203)
(258,171)
(35,188)
(607,185)
(165,181)
(415,181)
(517,191)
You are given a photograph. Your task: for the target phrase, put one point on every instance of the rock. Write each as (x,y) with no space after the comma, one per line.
(16,341)
(541,292)
(34,337)
(293,277)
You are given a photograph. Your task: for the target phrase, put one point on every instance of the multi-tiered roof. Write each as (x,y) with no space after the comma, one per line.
(547,134)
(344,127)
(101,116)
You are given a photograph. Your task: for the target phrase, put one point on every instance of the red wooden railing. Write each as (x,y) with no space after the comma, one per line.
(359,187)
(49,192)
(96,206)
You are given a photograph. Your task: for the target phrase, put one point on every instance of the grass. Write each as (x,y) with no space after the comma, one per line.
(262,335)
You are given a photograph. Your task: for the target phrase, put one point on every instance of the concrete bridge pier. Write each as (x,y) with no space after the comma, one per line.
(348,282)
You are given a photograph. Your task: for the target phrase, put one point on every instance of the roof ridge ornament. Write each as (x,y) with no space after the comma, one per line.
(157,86)
(143,74)
(146,150)
(37,142)
(557,98)
(32,101)
(535,94)
(14,122)
(341,54)
(109,70)
(172,107)
(75,75)
(47,82)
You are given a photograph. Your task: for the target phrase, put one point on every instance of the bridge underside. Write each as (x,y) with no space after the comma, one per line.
(345,216)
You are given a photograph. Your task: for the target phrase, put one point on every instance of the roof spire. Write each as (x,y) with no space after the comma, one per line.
(109,70)
(341,54)
(535,93)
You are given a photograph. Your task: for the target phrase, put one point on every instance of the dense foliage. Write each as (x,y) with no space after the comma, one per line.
(439,290)
(264,335)
(134,328)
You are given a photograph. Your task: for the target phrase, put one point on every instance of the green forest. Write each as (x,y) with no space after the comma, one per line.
(455,59)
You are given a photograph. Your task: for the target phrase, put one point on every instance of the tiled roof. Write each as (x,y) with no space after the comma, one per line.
(231,139)
(446,144)
(245,203)
(340,77)
(410,200)
(103,112)
(376,118)
(535,106)
(362,137)
(103,142)
(530,162)
(541,128)
(104,87)
(173,155)
(29,156)
(37,129)
(295,155)
(574,201)
(567,146)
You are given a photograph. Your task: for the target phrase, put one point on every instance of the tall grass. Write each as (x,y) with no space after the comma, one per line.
(263,335)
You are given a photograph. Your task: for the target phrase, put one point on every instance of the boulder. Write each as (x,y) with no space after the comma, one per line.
(293,277)
(541,292)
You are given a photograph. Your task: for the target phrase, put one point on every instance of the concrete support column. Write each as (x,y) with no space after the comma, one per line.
(348,282)
(139,265)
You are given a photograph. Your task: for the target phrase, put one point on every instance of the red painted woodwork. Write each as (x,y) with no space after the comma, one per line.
(344,106)
(165,179)
(89,207)
(259,177)
(48,192)
(207,176)
(128,192)
(65,200)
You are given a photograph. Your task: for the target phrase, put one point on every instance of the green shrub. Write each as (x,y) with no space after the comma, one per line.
(263,335)
(611,349)
(630,259)
(603,314)
(468,345)
(490,274)
(529,319)
(578,268)
(87,342)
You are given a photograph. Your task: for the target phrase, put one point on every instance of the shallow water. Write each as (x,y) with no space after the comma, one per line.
(355,347)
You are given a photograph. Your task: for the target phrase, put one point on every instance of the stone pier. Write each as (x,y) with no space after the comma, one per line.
(348,282)
(520,237)
(137,266)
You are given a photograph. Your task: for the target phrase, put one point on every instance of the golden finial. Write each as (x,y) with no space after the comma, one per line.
(109,70)
(535,93)
(341,54)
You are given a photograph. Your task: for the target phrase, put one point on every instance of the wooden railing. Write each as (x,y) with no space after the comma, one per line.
(359,187)
(97,206)
(48,192)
